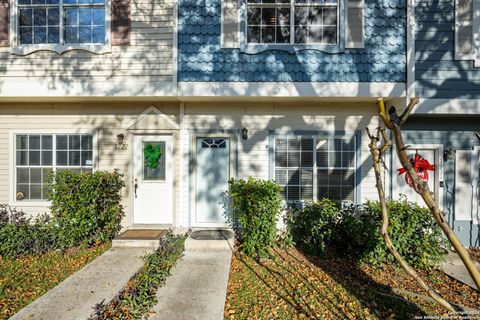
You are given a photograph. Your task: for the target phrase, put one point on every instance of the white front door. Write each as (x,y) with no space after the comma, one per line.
(153,181)
(211,180)
(400,186)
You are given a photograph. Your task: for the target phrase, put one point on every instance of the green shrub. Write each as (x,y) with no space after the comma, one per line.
(139,295)
(11,215)
(256,205)
(355,232)
(22,237)
(313,226)
(86,206)
(358,233)
(413,231)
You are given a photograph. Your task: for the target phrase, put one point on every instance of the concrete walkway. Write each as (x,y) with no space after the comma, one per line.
(98,281)
(454,267)
(197,287)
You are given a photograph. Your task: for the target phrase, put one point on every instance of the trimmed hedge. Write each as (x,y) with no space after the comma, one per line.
(313,227)
(19,235)
(86,206)
(412,228)
(256,205)
(356,232)
(86,210)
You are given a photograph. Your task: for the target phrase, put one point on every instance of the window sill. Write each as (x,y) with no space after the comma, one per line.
(257,48)
(32,203)
(92,48)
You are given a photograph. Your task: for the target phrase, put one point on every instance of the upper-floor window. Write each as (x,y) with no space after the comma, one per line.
(467,33)
(292,21)
(327,25)
(63,25)
(61,22)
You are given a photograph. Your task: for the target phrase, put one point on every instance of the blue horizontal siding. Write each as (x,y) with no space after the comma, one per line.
(200,57)
(438,75)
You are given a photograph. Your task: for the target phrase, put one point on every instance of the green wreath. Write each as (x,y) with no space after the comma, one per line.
(152,154)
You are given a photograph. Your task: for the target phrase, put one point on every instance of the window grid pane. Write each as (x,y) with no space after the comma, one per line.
(83,21)
(35,160)
(294,167)
(315,22)
(333,171)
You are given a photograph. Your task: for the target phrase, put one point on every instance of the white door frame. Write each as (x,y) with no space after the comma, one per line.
(152,136)
(476,184)
(439,170)
(193,177)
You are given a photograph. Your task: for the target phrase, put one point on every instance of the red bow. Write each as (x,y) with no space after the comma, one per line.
(419,163)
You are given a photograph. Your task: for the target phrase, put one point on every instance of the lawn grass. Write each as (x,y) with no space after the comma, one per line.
(291,285)
(23,280)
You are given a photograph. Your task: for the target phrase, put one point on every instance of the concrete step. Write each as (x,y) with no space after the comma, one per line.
(136,238)
(200,240)
(135,243)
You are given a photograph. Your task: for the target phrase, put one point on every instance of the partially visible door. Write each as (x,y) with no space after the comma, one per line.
(211,180)
(153,181)
(400,185)
(467,171)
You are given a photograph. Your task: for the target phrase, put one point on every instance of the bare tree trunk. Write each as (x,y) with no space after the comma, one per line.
(377,156)
(394,122)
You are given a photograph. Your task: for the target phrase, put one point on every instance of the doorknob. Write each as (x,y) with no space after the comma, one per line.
(135,187)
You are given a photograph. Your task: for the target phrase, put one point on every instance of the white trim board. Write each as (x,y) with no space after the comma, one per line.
(476,184)
(448,106)
(175,49)
(411,29)
(94,88)
(153,110)
(291,89)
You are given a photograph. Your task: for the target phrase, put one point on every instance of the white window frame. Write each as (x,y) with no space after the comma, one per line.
(475,54)
(24,49)
(13,160)
(314,167)
(292,5)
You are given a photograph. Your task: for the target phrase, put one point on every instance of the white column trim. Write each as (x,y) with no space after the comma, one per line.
(411,28)
(182,207)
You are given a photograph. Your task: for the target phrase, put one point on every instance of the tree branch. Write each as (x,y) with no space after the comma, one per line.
(408,110)
(377,154)
(422,189)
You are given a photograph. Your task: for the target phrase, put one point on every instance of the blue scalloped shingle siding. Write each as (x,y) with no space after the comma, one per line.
(437,74)
(200,57)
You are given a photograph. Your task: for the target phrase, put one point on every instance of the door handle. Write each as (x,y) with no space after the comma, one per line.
(135,187)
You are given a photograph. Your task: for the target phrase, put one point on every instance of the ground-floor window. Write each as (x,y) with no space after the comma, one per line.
(36,155)
(315,167)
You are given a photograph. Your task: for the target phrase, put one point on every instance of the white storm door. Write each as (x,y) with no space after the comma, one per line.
(153,181)
(400,185)
(211,180)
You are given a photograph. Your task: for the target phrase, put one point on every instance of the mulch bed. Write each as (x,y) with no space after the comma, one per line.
(475,254)
(391,275)
(293,285)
